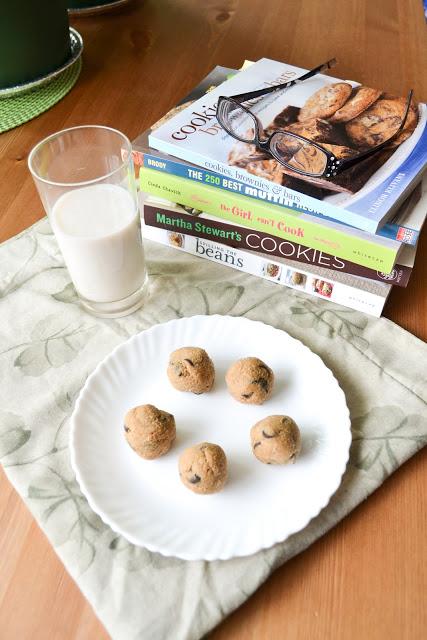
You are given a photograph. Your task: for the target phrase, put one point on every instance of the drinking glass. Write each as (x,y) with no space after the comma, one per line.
(86,182)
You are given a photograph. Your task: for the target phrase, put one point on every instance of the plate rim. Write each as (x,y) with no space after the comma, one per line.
(205,556)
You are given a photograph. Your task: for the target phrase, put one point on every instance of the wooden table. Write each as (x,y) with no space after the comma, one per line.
(367,578)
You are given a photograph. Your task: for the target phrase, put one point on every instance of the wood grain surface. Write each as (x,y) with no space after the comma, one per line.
(367,578)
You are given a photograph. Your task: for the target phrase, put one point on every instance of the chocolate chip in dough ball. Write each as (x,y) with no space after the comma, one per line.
(276,440)
(149,431)
(203,468)
(250,381)
(191,369)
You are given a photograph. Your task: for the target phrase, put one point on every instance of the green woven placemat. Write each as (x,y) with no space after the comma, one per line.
(16,110)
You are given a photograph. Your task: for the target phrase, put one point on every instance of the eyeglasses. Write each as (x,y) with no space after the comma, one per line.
(290,149)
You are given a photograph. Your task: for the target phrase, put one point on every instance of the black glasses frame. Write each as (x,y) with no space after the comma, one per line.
(333,166)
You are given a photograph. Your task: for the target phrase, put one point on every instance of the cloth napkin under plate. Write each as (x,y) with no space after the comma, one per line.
(49,346)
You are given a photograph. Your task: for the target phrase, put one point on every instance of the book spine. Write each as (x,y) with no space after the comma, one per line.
(195,135)
(394,231)
(251,263)
(232,172)
(166,165)
(243,238)
(268,218)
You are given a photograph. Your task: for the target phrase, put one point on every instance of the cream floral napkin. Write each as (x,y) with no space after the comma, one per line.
(48,348)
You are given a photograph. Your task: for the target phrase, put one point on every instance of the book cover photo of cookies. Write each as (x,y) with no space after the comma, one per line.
(343,117)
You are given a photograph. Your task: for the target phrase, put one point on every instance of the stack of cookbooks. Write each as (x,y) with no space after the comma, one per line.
(339,215)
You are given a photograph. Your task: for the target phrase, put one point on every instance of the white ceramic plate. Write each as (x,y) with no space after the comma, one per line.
(145,501)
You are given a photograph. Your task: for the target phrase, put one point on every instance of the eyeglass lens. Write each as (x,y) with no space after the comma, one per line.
(298,154)
(237,121)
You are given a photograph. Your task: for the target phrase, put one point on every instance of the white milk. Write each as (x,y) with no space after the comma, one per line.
(98,232)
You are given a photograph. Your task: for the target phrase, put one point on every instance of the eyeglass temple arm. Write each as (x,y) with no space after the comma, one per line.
(242,97)
(346,164)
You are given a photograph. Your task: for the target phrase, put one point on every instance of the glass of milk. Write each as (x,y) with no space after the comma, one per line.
(86,181)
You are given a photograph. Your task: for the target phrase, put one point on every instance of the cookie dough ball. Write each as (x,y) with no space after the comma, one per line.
(250,381)
(203,468)
(276,440)
(191,369)
(149,431)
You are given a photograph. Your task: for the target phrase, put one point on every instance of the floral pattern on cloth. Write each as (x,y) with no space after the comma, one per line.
(49,346)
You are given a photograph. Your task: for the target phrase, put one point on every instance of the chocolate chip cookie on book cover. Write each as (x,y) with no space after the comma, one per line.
(343,117)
